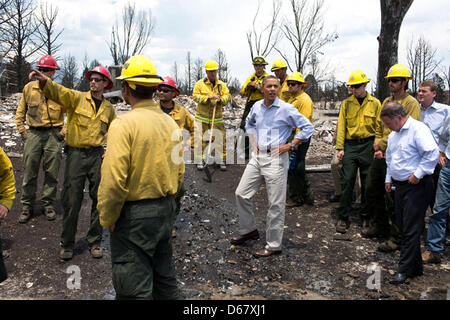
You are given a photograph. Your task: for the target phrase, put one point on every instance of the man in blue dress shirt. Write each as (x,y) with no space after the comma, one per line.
(269,125)
(433,114)
(411,157)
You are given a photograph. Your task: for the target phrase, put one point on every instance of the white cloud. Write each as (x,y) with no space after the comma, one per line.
(203,26)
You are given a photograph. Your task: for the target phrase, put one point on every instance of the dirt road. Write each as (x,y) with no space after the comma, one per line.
(316,263)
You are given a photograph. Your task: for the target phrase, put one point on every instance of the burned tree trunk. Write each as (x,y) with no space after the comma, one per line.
(392,14)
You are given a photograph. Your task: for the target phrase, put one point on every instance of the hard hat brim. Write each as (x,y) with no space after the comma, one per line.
(407,78)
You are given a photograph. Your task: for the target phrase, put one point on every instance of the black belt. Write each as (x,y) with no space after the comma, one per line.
(147,201)
(86,150)
(359,141)
(45,128)
(399,183)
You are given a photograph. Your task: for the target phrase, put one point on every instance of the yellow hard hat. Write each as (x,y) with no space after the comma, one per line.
(260,60)
(398,71)
(211,65)
(278,64)
(297,76)
(139,70)
(357,77)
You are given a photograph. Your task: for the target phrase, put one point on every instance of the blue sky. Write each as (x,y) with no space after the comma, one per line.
(203,26)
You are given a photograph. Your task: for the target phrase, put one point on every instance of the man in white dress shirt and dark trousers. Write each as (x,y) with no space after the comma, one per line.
(411,156)
(269,125)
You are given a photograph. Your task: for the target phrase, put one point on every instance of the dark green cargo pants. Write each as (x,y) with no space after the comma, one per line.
(43,144)
(81,164)
(356,155)
(141,251)
(379,203)
(299,184)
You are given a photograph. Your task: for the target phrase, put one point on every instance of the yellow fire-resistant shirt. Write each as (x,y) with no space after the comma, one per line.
(36,110)
(144,160)
(7,183)
(284,93)
(254,94)
(357,121)
(412,108)
(85,126)
(183,118)
(304,104)
(203,89)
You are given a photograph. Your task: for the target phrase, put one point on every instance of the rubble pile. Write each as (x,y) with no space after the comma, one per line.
(9,137)
(232,114)
(327,105)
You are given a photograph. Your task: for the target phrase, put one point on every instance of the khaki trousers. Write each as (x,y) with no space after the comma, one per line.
(274,171)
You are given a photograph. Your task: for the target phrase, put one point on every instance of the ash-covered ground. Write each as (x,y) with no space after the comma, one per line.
(316,262)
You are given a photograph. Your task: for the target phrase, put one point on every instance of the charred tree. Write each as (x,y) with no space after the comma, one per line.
(392,14)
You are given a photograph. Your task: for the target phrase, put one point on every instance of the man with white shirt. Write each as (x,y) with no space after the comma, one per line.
(433,114)
(411,157)
(269,125)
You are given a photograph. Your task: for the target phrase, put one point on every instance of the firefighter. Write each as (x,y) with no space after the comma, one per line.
(142,172)
(43,141)
(89,116)
(7,195)
(279,67)
(252,90)
(210,92)
(167,91)
(355,137)
(299,186)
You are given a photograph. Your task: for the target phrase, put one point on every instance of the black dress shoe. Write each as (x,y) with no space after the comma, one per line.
(265,253)
(253,235)
(334,198)
(398,278)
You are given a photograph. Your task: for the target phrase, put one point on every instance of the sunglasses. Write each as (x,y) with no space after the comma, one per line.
(292,84)
(165,90)
(96,79)
(45,69)
(356,86)
(394,80)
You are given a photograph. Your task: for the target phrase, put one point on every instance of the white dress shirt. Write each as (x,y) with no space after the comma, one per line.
(412,150)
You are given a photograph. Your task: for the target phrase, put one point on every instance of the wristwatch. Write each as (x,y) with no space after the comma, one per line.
(292,145)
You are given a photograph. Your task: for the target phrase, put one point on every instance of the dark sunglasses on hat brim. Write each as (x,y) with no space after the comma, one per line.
(165,90)
(41,69)
(395,80)
(356,86)
(96,79)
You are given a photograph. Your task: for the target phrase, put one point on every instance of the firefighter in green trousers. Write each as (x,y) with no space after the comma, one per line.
(138,187)
(380,204)
(251,89)
(89,116)
(43,140)
(299,186)
(7,195)
(356,133)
